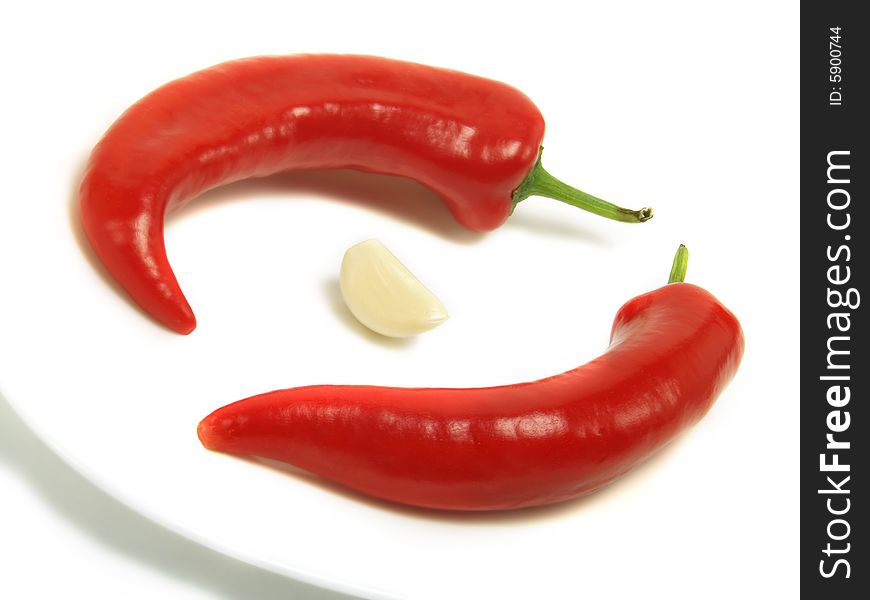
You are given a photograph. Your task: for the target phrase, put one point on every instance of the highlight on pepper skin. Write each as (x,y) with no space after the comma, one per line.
(475,142)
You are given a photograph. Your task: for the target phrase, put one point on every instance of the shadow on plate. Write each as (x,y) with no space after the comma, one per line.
(128,533)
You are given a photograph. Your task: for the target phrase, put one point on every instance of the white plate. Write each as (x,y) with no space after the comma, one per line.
(119,397)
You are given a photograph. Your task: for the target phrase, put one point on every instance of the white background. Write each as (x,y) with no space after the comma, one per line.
(690,108)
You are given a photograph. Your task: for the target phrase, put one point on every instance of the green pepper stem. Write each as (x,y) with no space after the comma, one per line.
(540,183)
(681,262)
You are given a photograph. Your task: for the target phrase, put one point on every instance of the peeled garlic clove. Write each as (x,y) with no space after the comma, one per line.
(384,295)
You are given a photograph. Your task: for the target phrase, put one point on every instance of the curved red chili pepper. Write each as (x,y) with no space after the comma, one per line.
(672,351)
(473,141)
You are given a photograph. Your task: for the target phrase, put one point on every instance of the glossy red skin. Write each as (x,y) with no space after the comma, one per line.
(672,352)
(470,140)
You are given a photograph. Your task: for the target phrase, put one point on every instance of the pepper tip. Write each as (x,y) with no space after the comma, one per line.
(202,432)
(183,325)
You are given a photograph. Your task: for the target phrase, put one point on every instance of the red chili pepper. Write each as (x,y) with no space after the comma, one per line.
(672,351)
(473,141)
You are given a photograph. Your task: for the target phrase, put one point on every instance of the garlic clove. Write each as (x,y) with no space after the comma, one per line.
(384,295)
